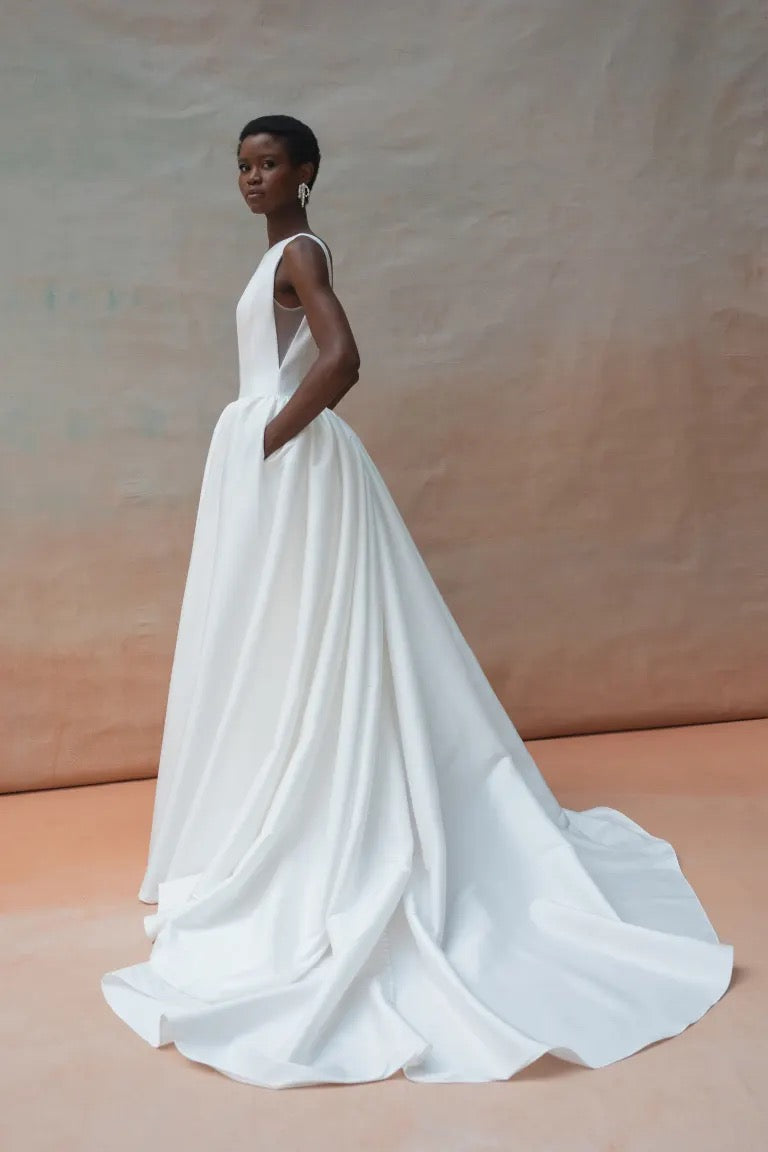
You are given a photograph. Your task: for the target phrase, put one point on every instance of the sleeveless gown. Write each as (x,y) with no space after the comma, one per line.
(357,864)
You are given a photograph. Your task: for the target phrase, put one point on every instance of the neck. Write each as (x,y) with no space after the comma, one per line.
(286,223)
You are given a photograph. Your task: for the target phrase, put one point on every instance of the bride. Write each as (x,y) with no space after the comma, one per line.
(357,865)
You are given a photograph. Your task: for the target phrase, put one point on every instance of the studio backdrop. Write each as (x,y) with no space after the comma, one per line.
(549,225)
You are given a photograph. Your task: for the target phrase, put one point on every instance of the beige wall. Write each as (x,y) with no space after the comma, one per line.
(549,223)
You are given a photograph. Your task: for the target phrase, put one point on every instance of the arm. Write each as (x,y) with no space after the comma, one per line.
(336,368)
(345,389)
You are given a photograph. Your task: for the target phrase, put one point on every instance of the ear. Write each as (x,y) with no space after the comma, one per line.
(307,172)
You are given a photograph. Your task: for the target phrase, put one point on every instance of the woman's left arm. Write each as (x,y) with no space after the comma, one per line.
(338,361)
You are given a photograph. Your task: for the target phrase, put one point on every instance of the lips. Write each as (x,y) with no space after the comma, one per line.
(253,194)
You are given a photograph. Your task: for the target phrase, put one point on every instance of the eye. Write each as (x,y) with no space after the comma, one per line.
(269,163)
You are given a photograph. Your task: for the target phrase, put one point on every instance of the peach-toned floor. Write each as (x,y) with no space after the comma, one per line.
(73,1078)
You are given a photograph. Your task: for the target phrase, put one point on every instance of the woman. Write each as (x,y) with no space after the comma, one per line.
(358,865)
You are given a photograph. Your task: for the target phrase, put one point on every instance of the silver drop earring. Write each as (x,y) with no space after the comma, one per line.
(303,193)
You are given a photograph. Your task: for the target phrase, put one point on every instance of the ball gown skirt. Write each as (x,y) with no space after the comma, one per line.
(358,866)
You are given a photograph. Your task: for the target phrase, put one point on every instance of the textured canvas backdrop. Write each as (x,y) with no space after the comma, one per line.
(549,223)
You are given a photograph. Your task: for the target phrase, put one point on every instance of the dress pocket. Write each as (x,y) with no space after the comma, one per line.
(281,452)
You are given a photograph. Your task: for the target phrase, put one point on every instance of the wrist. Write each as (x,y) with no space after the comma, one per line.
(269,441)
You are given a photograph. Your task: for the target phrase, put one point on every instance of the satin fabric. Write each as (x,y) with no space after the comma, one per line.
(358,866)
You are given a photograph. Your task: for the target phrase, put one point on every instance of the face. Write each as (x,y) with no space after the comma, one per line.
(267,178)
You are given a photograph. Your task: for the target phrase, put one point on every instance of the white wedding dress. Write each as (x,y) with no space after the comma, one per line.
(358,865)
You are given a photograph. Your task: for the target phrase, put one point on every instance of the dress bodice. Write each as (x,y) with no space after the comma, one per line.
(261,371)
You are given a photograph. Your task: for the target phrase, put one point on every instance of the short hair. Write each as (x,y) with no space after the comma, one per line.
(300,141)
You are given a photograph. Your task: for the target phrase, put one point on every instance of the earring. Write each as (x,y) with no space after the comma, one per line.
(303,192)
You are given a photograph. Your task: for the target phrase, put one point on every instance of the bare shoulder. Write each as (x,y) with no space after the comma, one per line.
(306,258)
